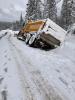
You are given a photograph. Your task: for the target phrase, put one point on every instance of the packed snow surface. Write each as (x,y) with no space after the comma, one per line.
(33,74)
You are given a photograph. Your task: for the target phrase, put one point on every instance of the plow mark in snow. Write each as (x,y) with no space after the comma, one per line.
(34,86)
(24,84)
(44,88)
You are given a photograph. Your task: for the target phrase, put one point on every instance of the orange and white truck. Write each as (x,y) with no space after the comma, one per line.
(42,32)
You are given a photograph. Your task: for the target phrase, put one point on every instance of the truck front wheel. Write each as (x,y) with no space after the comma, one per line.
(28,36)
(32,40)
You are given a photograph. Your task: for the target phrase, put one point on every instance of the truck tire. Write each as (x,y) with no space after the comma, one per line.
(27,38)
(32,39)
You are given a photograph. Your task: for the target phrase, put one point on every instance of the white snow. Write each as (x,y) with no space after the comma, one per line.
(11,80)
(71,29)
(59,7)
(34,74)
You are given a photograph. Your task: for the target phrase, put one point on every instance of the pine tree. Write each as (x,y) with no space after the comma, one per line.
(50,10)
(66,16)
(38,12)
(73,12)
(30,9)
(21,20)
(33,10)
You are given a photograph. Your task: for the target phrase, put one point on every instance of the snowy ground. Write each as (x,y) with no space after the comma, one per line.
(32,74)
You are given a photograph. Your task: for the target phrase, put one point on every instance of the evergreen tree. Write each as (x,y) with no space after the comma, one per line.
(38,12)
(66,13)
(50,10)
(21,20)
(73,12)
(30,9)
(33,10)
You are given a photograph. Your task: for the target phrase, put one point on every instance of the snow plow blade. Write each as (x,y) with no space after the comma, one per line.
(42,31)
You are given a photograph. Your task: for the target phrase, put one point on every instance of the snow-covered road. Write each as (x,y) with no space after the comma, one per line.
(32,74)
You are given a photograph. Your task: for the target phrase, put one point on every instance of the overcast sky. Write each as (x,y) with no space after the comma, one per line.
(10,10)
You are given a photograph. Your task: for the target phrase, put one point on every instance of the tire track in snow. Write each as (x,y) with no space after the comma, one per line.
(23,80)
(38,84)
(28,86)
(45,88)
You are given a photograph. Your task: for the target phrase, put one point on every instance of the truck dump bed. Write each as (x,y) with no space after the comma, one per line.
(31,26)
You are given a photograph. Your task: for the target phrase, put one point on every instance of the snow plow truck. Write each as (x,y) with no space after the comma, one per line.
(42,33)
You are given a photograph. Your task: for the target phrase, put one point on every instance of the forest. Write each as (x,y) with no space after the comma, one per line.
(37,9)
